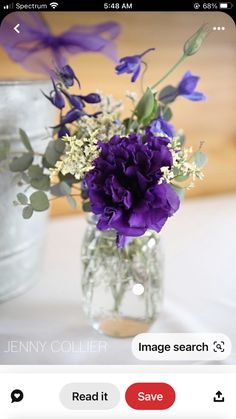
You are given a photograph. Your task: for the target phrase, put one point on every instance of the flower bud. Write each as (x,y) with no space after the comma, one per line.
(193,44)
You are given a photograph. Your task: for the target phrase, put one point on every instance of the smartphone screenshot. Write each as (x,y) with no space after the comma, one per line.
(117,210)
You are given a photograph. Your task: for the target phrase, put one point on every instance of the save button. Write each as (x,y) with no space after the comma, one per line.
(150,396)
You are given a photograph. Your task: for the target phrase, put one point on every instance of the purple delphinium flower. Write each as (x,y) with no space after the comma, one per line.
(131,64)
(56,97)
(187,86)
(67,76)
(160,125)
(123,185)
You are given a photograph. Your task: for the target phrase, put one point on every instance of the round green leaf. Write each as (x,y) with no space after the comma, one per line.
(59,146)
(71,201)
(51,154)
(39,201)
(22,198)
(43,184)
(25,140)
(35,171)
(22,163)
(200,158)
(27,212)
(60,189)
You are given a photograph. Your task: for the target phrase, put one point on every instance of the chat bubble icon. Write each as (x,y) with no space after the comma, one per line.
(17,396)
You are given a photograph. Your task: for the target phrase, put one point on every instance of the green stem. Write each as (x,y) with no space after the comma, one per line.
(182,58)
(142,75)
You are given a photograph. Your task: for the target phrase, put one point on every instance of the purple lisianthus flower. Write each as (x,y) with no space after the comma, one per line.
(131,65)
(160,125)
(187,86)
(56,97)
(123,185)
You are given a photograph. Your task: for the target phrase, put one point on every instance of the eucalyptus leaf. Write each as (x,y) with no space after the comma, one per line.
(200,158)
(168,94)
(68,178)
(25,140)
(72,202)
(51,154)
(145,106)
(4,149)
(181,138)
(42,183)
(60,189)
(39,201)
(167,114)
(22,163)
(181,178)
(35,171)
(59,146)
(179,191)
(27,212)
(22,198)
(86,206)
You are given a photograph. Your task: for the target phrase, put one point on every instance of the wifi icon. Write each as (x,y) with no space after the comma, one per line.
(54,5)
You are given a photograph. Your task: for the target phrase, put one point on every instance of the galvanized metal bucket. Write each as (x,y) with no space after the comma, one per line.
(22,105)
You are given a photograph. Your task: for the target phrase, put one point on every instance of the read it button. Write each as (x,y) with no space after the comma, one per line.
(150,396)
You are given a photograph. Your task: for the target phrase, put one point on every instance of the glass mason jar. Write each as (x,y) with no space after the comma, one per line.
(122,288)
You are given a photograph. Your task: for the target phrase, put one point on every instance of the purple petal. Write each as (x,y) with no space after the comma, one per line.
(195,96)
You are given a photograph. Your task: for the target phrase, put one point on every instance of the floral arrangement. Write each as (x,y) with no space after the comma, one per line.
(131,173)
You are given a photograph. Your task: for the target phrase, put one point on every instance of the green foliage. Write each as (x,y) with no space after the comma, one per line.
(43,183)
(180,191)
(4,149)
(71,201)
(39,201)
(22,198)
(86,206)
(53,152)
(200,159)
(27,212)
(35,171)
(60,189)
(194,43)
(25,140)
(181,138)
(146,107)
(68,178)
(22,163)
(168,94)
(167,113)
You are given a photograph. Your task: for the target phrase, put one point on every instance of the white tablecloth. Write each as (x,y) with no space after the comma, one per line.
(47,325)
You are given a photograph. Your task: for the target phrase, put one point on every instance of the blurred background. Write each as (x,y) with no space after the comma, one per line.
(212,121)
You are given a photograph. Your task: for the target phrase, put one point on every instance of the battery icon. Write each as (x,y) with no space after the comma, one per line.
(226,5)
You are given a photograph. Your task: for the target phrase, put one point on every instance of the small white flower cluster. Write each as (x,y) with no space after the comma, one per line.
(184,168)
(81,148)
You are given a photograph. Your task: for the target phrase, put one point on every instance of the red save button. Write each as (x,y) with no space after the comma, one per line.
(150,396)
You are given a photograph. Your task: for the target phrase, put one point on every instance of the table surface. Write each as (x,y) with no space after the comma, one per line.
(47,325)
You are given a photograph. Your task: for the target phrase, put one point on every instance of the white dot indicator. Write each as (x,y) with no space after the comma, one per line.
(223,28)
(138,289)
(214,28)
(218,28)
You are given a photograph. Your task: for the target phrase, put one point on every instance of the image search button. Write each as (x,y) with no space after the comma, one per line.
(150,396)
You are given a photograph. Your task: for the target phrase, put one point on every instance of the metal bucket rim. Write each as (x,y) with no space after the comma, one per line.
(22,82)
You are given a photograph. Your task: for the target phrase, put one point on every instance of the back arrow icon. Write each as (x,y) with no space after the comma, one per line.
(16,28)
